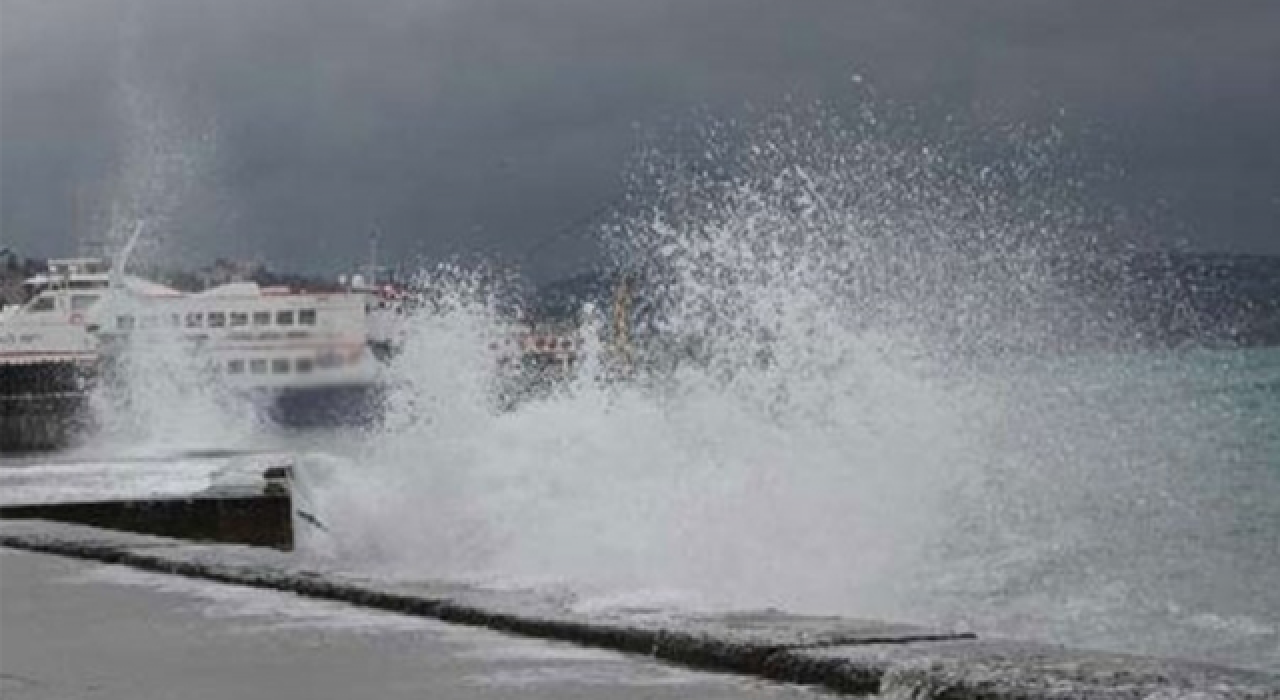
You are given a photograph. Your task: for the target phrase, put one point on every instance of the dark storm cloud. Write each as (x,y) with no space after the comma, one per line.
(488,125)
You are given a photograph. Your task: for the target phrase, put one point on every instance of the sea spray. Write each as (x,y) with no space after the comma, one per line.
(866,384)
(157,392)
(791,433)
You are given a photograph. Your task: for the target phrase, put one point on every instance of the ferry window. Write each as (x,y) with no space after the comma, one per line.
(195,320)
(329,360)
(44,304)
(280,366)
(284,318)
(217,319)
(235,366)
(175,320)
(261,318)
(239,318)
(258,366)
(304,365)
(307,317)
(81,302)
(124,323)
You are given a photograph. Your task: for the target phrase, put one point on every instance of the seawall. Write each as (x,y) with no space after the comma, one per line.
(849,656)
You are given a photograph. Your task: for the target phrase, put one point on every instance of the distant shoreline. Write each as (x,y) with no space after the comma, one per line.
(1175,297)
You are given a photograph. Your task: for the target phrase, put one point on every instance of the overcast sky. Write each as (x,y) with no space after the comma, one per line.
(287,129)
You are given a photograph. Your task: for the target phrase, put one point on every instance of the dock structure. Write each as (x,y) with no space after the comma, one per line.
(231,498)
(228,519)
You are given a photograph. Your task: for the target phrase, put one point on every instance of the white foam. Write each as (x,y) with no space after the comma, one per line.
(876,407)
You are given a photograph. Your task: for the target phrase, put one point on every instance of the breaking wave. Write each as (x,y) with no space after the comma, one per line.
(862,381)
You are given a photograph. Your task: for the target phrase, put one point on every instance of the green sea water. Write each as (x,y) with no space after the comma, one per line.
(1137,510)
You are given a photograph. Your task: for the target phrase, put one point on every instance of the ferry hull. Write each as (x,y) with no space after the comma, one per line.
(41,422)
(303,408)
(45,420)
(42,377)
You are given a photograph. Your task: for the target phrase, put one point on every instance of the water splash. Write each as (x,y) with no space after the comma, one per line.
(158,393)
(866,385)
(161,394)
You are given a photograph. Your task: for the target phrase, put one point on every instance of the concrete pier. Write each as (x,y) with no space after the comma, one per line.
(857,657)
(262,521)
(228,518)
(80,629)
(231,498)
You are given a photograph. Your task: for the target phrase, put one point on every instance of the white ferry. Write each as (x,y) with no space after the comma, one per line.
(253,337)
(80,315)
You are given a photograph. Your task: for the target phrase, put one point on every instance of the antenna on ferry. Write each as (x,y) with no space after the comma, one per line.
(122,258)
(373,256)
(115,294)
(116,274)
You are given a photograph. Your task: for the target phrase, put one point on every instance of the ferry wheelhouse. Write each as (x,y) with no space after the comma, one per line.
(44,342)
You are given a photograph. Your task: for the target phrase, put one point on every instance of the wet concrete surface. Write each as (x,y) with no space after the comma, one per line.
(858,657)
(74,629)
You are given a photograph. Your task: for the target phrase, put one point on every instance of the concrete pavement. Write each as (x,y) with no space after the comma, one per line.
(853,656)
(72,629)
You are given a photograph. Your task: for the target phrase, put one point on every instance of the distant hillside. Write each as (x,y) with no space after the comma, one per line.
(224,271)
(1171,298)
